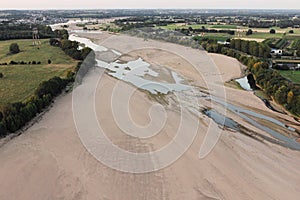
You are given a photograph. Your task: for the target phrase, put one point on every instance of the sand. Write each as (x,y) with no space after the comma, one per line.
(49,161)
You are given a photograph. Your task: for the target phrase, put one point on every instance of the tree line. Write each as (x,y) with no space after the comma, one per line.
(251,47)
(10,31)
(22,63)
(247,47)
(190,30)
(14,116)
(71,48)
(283,91)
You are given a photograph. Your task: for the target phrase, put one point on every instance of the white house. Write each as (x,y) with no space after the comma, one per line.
(223,42)
(276,51)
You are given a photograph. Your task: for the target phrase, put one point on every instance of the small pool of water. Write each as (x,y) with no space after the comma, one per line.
(250,117)
(222,120)
(244,83)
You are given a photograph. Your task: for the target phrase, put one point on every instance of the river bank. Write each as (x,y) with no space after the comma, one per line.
(237,168)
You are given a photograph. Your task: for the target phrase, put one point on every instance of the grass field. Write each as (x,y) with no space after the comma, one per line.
(20,81)
(30,53)
(198,26)
(258,33)
(183,25)
(217,36)
(291,75)
(224,26)
(264,35)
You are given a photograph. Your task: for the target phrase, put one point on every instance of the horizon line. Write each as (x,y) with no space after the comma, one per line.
(11,9)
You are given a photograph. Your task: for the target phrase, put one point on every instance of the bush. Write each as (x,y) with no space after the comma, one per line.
(249,32)
(272,31)
(13,63)
(14,48)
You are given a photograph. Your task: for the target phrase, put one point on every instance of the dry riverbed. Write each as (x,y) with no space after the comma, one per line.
(49,161)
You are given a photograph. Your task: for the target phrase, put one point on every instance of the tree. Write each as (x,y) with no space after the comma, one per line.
(49,61)
(290,97)
(245,46)
(14,48)
(85,52)
(272,31)
(291,31)
(249,32)
(281,95)
(1,75)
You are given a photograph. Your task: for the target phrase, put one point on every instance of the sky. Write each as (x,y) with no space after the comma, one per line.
(108,4)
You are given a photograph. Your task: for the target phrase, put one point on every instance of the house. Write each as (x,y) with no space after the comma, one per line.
(224,42)
(276,51)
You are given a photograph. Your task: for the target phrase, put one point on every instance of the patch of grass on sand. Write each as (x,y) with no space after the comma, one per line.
(261,94)
(233,84)
(160,98)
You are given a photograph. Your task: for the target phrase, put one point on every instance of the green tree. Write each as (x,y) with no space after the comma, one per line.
(237,44)
(245,46)
(14,48)
(249,32)
(272,31)
(1,75)
(290,97)
(281,95)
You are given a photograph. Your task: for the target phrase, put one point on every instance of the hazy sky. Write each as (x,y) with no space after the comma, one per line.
(102,4)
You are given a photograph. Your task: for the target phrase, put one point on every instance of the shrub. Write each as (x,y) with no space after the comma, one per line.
(249,32)
(272,31)
(14,48)
(13,63)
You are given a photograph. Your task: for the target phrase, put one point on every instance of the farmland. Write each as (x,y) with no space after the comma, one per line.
(20,81)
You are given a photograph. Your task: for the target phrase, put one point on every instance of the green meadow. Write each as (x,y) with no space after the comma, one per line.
(20,81)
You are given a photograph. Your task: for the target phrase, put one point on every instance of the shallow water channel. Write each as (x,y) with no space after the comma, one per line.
(137,72)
